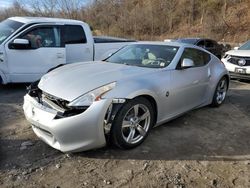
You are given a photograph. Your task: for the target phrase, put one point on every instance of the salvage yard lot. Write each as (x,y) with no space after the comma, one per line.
(207,147)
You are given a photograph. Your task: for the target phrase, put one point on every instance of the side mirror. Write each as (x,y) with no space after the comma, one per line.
(20,44)
(187,63)
(236,48)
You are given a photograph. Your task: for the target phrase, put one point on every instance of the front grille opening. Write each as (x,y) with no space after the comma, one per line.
(55,103)
(71,112)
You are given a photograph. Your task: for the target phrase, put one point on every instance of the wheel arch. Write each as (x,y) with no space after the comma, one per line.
(152,102)
(228,79)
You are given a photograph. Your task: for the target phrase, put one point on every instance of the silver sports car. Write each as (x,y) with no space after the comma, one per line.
(82,106)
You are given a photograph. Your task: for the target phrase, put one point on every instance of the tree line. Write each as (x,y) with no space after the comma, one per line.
(148,19)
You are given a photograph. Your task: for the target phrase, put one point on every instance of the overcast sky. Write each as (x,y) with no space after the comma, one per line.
(5,3)
(8,3)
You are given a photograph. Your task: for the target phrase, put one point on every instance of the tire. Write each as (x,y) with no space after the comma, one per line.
(1,81)
(132,123)
(220,92)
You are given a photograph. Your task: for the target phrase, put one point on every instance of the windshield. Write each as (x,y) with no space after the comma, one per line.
(145,55)
(7,27)
(245,46)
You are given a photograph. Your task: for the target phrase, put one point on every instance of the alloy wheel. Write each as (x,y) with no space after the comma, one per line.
(136,123)
(221,91)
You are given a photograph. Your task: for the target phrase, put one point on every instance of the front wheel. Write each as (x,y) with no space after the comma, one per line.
(220,92)
(132,123)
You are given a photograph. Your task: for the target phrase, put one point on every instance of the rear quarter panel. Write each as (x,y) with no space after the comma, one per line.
(218,70)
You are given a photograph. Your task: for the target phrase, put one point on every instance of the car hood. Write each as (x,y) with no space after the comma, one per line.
(241,53)
(71,81)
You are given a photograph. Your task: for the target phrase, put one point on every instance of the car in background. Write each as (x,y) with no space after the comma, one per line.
(32,46)
(82,106)
(208,44)
(237,61)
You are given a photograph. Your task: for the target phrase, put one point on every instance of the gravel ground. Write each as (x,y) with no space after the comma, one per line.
(208,147)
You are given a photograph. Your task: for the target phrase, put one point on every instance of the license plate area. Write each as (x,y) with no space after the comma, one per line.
(240,70)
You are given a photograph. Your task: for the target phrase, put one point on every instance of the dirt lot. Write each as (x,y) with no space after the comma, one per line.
(209,147)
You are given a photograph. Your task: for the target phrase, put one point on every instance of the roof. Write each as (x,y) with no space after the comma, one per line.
(174,44)
(194,38)
(177,44)
(108,39)
(26,20)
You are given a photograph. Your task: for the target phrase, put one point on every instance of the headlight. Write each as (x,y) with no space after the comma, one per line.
(226,56)
(94,95)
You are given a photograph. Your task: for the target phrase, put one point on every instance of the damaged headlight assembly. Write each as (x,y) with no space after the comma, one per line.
(92,96)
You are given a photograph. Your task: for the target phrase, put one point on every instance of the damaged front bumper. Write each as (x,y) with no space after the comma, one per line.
(75,133)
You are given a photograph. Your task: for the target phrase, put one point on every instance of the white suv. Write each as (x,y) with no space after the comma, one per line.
(237,61)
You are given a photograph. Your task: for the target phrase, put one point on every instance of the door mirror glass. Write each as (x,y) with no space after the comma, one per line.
(20,44)
(187,63)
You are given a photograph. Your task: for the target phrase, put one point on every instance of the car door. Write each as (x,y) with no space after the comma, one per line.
(78,48)
(189,85)
(45,52)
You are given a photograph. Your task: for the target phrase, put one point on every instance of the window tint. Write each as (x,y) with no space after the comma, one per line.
(199,57)
(210,44)
(74,34)
(201,43)
(43,37)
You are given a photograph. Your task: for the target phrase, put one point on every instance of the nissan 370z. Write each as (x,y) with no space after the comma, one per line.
(83,106)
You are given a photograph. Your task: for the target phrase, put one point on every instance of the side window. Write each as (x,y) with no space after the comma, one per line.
(73,34)
(199,57)
(206,57)
(43,37)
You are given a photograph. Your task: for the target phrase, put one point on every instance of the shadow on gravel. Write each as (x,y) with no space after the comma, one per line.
(12,93)
(12,156)
(176,142)
(204,134)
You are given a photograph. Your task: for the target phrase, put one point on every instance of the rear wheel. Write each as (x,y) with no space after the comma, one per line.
(132,123)
(220,92)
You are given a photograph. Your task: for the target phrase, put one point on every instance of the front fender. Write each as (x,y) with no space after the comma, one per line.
(133,89)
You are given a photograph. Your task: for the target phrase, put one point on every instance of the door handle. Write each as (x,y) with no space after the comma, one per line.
(60,55)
